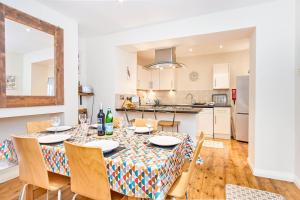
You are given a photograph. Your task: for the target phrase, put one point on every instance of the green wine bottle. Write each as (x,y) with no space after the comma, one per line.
(109,122)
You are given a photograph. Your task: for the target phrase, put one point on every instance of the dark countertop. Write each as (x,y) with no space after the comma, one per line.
(187,110)
(180,108)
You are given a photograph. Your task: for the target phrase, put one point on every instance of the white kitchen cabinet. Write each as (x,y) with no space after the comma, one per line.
(221,76)
(143,78)
(154,79)
(222,125)
(166,79)
(205,121)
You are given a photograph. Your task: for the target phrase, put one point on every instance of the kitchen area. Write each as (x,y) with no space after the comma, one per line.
(197,84)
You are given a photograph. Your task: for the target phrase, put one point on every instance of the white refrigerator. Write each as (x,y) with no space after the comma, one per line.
(242,108)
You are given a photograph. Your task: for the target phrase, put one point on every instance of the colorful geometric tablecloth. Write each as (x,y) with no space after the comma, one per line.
(140,169)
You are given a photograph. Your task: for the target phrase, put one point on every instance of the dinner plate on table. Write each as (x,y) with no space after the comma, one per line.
(105,145)
(53,138)
(142,129)
(59,128)
(94,126)
(164,141)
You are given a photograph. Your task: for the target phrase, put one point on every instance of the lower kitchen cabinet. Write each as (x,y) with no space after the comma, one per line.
(205,121)
(222,125)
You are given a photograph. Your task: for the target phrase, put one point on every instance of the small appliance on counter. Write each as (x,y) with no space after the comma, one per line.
(87,89)
(220,99)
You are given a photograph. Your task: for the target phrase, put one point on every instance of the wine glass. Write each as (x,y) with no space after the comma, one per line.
(55,122)
(82,118)
(149,125)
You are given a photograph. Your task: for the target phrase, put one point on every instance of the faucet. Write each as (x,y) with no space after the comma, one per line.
(192,97)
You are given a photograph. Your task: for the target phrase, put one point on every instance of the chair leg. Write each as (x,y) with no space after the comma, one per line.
(23,191)
(59,195)
(187,195)
(74,197)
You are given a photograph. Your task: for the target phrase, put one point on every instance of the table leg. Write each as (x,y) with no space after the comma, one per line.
(29,192)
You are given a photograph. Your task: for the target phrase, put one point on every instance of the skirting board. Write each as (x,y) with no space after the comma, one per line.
(271,174)
(9,173)
(297,181)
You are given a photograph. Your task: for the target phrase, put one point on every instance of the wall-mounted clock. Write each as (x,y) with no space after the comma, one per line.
(194,76)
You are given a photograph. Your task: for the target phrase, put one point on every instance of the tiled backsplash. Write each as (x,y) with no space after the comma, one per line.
(180,97)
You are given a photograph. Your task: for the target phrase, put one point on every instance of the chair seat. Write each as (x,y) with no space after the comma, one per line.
(168,123)
(57,181)
(178,189)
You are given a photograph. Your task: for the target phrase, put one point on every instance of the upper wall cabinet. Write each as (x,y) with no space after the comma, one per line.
(221,76)
(166,79)
(155,79)
(31,61)
(143,78)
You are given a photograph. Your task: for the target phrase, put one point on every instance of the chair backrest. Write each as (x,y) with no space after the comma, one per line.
(36,127)
(196,155)
(32,167)
(142,122)
(88,171)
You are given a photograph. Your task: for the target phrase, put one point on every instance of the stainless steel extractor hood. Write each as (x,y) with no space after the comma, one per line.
(165,58)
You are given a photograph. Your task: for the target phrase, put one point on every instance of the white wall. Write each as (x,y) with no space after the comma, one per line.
(14,63)
(203,64)
(8,116)
(29,59)
(297,90)
(273,124)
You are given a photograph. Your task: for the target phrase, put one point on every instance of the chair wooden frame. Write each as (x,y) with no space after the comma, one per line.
(32,167)
(88,172)
(179,188)
(37,127)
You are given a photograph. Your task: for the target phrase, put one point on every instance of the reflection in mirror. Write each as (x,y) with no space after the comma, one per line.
(29,61)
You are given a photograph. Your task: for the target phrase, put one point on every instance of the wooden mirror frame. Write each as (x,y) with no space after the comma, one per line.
(7,12)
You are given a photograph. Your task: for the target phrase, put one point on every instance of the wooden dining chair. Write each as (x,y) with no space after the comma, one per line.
(180,186)
(88,173)
(199,137)
(32,167)
(143,122)
(37,127)
(169,123)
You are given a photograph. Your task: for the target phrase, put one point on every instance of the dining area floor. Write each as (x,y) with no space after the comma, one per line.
(221,166)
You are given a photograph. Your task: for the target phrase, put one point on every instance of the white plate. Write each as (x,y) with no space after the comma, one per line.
(164,140)
(59,128)
(105,145)
(48,139)
(142,130)
(94,126)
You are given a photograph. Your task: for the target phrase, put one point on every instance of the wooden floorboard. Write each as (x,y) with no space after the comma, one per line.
(221,167)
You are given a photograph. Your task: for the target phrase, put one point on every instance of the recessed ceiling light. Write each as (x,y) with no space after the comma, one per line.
(28,29)
(221,46)
(190,50)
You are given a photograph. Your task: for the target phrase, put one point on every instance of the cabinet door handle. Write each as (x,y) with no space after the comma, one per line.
(215,82)
(215,119)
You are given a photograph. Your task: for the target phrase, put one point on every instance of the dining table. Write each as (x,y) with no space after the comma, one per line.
(136,168)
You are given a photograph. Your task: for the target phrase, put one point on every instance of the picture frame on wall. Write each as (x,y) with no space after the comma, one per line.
(11,82)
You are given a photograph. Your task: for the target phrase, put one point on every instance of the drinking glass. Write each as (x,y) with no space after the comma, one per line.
(82,118)
(55,122)
(149,125)
(122,123)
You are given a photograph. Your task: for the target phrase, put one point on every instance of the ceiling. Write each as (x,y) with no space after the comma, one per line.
(24,39)
(213,43)
(98,17)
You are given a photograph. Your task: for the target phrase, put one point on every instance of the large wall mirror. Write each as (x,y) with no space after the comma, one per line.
(31,61)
